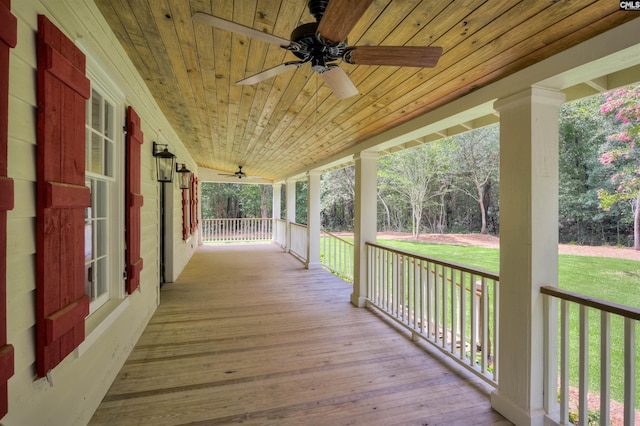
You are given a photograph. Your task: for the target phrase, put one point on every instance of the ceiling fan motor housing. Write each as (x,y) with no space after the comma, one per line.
(317,8)
(312,47)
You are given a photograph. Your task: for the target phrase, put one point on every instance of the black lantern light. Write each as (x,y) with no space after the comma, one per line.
(164,162)
(184,176)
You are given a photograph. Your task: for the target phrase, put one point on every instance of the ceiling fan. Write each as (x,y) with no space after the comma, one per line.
(325,41)
(239,174)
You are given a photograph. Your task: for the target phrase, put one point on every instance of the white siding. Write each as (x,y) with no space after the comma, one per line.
(78,384)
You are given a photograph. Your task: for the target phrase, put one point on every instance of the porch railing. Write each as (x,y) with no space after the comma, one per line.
(280,236)
(236,230)
(336,254)
(611,315)
(451,306)
(298,240)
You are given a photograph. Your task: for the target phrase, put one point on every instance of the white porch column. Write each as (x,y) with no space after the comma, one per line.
(528,246)
(313,220)
(365,226)
(276,202)
(291,209)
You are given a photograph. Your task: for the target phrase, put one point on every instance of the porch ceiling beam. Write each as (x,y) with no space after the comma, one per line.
(600,84)
(624,77)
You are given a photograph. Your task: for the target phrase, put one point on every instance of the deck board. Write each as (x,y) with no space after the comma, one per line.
(247,335)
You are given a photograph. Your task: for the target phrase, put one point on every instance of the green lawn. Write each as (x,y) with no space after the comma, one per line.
(478,257)
(615,280)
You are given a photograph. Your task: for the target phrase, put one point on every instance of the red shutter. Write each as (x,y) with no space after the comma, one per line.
(62,304)
(185,214)
(194,203)
(8,39)
(135,138)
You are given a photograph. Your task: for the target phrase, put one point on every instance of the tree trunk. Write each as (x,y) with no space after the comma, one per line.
(386,209)
(263,201)
(483,210)
(417,218)
(483,215)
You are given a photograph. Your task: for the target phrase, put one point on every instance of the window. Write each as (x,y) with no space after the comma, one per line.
(186,208)
(104,176)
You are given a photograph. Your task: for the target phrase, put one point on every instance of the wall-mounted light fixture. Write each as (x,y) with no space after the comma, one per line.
(164,162)
(184,176)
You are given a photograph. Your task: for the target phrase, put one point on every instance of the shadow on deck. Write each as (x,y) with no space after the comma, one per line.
(247,335)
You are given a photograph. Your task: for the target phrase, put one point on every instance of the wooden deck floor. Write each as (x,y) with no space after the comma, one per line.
(247,335)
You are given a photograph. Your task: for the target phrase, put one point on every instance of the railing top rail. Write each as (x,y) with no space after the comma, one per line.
(280,220)
(336,237)
(486,274)
(298,225)
(592,302)
(237,218)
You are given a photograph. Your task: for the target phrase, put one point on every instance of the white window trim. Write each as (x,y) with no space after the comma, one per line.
(99,321)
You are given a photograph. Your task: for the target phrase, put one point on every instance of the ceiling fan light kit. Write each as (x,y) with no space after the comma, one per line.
(324,42)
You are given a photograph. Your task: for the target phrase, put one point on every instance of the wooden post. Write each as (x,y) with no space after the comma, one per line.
(313,220)
(528,247)
(277,191)
(365,221)
(291,209)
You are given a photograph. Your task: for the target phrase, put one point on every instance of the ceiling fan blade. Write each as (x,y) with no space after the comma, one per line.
(223,24)
(401,56)
(235,175)
(339,82)
(340,17)
(271,72)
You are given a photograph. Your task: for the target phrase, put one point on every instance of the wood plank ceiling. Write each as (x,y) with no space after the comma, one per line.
(280,125)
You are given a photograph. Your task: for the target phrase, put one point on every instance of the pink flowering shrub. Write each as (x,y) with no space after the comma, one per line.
(623,154)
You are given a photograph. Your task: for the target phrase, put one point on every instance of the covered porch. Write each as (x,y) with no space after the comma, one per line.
(248,335)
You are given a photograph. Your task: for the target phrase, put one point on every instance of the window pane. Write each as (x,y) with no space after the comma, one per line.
(100,204)
(87,211)
(88,281)
(87,149)
(96,111)
(87,117)
(108,158)
(101,277)
(88,241)
(96,153)
(101,237)
(108,121)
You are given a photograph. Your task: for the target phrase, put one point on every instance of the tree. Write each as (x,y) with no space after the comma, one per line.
(418,175)
(264,206)
(477,158)
(583,131)
(337,199)
(234,200)
(301,202)
(623,153)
